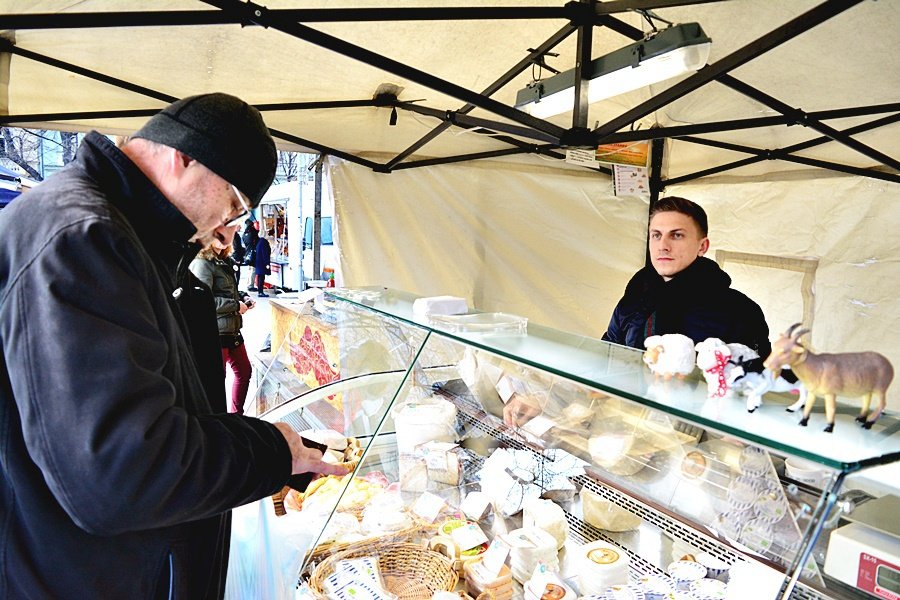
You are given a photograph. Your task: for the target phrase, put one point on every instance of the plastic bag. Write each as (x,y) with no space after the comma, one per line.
(267,551)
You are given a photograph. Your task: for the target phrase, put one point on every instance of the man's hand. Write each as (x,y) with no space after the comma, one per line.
(520,409)
(306,460)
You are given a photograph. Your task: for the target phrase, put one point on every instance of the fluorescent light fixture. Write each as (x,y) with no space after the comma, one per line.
(671,52)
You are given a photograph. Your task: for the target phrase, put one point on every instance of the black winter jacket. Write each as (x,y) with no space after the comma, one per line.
(116,476)
(698,302)
(218,275)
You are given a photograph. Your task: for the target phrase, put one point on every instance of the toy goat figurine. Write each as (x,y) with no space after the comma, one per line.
(850,374)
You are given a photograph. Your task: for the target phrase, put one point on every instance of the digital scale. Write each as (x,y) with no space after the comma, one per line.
(866,553)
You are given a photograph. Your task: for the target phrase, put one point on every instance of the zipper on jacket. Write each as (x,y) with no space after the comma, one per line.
(171,576)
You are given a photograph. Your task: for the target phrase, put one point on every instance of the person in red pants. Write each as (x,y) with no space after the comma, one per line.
(213,267)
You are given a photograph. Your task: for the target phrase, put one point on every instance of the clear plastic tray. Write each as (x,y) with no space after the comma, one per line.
(492,322)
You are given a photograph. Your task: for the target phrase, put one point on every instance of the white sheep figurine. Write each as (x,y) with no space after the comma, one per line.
(714,359)
(669,355)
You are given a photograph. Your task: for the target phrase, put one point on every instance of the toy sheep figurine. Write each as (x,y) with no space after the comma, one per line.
(669,354)
(714,359)
(850,374)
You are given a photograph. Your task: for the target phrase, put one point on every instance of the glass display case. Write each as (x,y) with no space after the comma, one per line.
(497,458)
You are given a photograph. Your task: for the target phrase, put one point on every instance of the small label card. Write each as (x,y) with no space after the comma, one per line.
(435,454)
(468,536)
(428,506)
(493,559)
(475,505)
(539,425)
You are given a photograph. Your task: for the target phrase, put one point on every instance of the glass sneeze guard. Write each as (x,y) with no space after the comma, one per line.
(620,371)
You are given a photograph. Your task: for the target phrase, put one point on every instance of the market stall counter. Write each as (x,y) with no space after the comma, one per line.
(506,462)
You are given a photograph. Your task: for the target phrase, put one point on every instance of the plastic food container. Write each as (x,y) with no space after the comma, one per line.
(487,323)
(624,592)
(805,471)
(656,587)
(686,572)
(709,589)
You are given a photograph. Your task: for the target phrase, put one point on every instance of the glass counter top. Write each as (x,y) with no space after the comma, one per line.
(620,371)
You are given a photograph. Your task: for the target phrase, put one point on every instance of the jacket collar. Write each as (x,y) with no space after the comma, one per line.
(154,218)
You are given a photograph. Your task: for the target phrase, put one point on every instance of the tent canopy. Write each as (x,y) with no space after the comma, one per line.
(780,74)
(788,137)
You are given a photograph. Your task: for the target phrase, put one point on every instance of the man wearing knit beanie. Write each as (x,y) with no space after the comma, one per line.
(120,462)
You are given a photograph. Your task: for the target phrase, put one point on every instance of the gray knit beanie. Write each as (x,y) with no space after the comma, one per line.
(224,134)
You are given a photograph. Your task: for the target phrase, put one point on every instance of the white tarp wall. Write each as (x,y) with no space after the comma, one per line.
(554,246)
(559,248)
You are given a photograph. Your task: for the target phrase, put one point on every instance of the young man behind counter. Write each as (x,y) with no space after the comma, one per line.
(682,291)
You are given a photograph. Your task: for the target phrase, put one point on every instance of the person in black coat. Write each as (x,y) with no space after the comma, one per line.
(262,266)
(683,292)
(119,466)
(249,239)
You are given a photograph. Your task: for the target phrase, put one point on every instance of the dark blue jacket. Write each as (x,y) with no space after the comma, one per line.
(263,257)
(698,302)
(116,473)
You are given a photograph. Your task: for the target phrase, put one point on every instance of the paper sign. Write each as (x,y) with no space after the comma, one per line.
(630,181)
(468,536)
(493,559)
(584,158)
(635,154)
(428,506)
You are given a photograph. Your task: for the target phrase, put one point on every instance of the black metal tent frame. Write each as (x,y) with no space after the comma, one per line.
(581,19)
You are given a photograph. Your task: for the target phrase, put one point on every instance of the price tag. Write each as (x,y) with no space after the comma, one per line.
(539,425)
(428,506)
(494,558)
(467,367)
(468,536)
(435,454)
(475,505)
(505,388)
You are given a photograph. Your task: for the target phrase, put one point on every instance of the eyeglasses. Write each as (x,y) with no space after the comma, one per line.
(245,209)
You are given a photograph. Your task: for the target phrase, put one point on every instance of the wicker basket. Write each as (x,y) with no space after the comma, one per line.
(408,570)
(418,530)
(351,459)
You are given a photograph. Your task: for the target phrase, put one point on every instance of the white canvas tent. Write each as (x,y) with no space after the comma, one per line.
(803,93)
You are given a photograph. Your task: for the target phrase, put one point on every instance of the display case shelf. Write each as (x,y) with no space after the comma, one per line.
(360,358)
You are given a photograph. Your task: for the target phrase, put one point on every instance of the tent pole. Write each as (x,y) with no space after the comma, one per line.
(657,151)
(511,74)
(805,119)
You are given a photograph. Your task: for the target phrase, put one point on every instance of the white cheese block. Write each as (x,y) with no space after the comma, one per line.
(605,515)
(600,566)
(440,305)
(548,516)
(530,546)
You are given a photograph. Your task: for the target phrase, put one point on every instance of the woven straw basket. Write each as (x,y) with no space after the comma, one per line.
(408,570)
(416,531)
